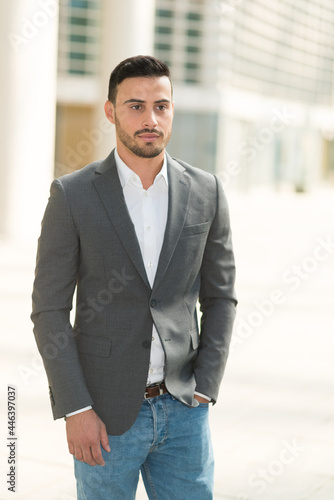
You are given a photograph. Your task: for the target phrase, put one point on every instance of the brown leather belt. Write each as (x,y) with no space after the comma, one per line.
(153,391)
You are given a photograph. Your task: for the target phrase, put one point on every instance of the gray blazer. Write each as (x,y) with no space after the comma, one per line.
(88,244)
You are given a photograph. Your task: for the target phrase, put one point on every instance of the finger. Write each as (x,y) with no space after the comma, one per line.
(105,441)
(78,454)
(97,455)
(88,457)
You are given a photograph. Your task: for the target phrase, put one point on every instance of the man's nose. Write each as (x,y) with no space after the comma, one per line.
(150,119)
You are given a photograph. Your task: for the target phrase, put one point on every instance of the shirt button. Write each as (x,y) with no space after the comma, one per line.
(148,228)
(151,370)
(153,339)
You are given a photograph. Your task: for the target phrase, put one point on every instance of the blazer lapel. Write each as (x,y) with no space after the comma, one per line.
(110,192)
(179,192)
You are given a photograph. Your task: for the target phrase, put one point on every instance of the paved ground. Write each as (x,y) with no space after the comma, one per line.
(273,427)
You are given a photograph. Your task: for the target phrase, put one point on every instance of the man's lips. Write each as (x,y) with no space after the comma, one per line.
(148,137)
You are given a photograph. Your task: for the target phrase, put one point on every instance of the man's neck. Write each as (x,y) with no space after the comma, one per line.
(146,168)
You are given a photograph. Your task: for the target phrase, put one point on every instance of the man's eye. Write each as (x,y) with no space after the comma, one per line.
(162,107)
(136,106)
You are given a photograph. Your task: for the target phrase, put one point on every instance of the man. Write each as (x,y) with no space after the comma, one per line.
(142,237)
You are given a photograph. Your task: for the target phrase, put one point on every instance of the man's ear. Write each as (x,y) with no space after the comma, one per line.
(109,111)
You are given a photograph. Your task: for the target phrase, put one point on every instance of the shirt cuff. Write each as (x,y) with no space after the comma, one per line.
(203,396)
(81,411)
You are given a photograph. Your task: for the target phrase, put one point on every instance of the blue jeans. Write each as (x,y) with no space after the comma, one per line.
(171,445)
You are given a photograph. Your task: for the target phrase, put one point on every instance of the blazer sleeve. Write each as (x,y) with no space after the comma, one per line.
(54,285)
(217,301)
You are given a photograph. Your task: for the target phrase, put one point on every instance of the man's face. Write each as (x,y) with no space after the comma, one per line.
(143,115)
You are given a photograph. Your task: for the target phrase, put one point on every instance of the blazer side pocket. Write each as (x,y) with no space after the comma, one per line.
(195,229)
(95,346)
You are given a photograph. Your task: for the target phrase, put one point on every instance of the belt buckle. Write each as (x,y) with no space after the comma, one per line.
(161,391)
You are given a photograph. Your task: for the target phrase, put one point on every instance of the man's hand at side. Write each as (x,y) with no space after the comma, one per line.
(200,399)
(85,434)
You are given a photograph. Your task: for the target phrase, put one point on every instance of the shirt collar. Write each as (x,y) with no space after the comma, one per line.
(125,173)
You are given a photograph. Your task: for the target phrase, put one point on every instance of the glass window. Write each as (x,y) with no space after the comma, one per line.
(164,30)
(73,71)
(78,21)
(193,33)
(194,16)
(82,38)
(191,80)
(79,4)
(191,49)
(163,46)
(164,13)
(192,65)
(78,55)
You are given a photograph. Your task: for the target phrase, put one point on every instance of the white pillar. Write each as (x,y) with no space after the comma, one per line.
(29,31)
(127,30)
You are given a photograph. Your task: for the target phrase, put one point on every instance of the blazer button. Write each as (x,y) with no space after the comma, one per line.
(153,303)
(146,344)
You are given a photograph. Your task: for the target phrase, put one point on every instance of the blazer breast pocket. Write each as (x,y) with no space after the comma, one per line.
(194,229)
(95,346)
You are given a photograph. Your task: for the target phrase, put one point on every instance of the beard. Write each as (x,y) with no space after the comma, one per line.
(147,150)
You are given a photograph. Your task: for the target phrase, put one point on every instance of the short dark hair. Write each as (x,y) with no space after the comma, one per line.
(133,67)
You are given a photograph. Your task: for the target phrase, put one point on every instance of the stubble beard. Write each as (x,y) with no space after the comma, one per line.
(148,150)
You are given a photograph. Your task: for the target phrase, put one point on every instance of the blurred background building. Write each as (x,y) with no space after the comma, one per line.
(254,90)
